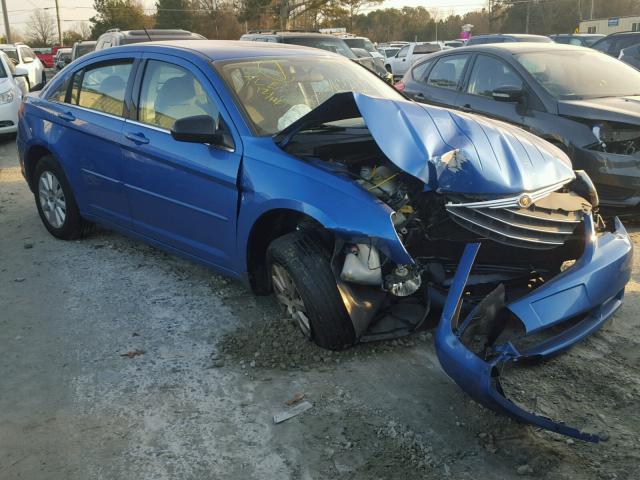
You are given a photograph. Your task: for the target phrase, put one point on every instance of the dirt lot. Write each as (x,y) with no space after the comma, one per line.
(218,363)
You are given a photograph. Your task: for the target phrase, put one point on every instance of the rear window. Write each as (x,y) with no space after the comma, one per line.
(12,53)
(426,48)
(331,44)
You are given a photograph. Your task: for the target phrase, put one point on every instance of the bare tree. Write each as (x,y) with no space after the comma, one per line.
(41,28)
(83,28)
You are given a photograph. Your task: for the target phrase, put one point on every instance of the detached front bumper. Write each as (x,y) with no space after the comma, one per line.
(593,288)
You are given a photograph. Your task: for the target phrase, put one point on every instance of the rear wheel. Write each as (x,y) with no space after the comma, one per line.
(306,290)
(55,202)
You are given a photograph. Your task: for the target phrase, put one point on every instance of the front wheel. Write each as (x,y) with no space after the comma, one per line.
(306,290)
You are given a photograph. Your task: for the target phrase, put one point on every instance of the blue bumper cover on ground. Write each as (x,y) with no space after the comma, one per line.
(593,287)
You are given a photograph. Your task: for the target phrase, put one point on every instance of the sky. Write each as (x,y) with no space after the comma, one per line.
(73,11)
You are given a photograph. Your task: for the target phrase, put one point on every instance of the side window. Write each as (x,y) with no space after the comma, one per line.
(27,55)
(447,73)
(60,93)
(169,93)
(419,72)
(489,74)
(603,45)
(102,87)
(403,52)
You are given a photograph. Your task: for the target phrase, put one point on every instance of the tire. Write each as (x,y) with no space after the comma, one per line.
(308,266)
(56,204)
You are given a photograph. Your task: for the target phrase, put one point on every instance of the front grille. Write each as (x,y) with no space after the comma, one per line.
(533,227)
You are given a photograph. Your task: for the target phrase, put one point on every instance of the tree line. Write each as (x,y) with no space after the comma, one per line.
(228,19)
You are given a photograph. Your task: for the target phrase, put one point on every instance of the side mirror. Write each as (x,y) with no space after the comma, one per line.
(508,94)
(200,129)
(21,72)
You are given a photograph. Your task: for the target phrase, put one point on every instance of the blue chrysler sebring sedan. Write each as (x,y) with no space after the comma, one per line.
(305,175)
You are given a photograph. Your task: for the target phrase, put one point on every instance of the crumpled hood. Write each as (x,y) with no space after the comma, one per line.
(448,150)
(612,109)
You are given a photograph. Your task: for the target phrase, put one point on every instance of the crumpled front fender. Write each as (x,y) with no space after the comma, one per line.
(601,274)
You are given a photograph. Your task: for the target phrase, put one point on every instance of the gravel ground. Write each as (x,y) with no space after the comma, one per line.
(121,361)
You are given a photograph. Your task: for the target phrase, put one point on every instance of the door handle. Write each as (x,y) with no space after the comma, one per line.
(466,108)
(137,138)
(67,116)
(419,96)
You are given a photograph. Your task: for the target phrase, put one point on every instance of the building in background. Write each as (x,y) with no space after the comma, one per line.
(611,25)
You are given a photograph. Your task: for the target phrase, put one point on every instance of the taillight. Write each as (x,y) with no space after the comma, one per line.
(399,86)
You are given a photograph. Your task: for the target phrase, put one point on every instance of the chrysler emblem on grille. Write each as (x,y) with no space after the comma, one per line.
(524,201)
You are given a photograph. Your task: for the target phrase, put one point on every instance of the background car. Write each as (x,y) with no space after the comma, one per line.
(402,60)
(614,43)
(578,39)
(506,38)
(82,48)
(22,56)
(551,90)
(323,41)
(375,64)
(13,86)
(115,37)
(62,58)
(45,55)
(363,43)
(387,51)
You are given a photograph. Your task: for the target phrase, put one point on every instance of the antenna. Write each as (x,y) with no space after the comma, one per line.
(145,31)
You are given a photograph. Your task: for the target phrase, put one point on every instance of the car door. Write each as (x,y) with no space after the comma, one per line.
(181,194)
(403,60)
(397,59)
(489,73)
(445,79)
(90,107)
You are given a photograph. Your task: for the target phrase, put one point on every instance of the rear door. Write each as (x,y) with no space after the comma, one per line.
(181,194)
(91,109)
(445,79)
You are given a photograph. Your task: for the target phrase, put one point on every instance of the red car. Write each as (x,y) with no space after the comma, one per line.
(47,54)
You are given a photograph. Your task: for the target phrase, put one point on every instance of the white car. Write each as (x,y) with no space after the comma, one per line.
(404,58)
(22,56)
(13,86)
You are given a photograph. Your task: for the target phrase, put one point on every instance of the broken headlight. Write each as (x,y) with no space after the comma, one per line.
(619,138)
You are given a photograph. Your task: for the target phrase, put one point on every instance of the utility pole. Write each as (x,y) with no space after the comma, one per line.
(59,27)
(591,14)
(490,15)
(7,29)
(526,27)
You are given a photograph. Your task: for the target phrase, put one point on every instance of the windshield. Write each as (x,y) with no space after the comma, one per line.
(569,74)
(329,43)
(12,53)
(84,49)
(275,92)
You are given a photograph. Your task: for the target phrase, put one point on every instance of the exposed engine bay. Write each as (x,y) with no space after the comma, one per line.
(526,240)
(620,139)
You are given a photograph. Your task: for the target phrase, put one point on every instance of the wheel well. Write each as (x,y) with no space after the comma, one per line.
(267,228)
(33,156)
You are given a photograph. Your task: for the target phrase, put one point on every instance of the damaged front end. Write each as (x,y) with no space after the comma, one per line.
(503,238)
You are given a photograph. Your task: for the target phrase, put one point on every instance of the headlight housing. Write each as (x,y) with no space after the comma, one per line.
(620,138)
(6,97)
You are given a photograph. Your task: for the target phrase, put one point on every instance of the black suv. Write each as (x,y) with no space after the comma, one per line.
(616,42)
(324,41)
(577,39)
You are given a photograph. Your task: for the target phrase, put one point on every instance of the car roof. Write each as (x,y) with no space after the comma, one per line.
(577,35)
(622,34)
(520,47)
(228,49)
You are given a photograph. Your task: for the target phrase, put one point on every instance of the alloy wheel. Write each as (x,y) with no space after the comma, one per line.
(52,201)
(289,298)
